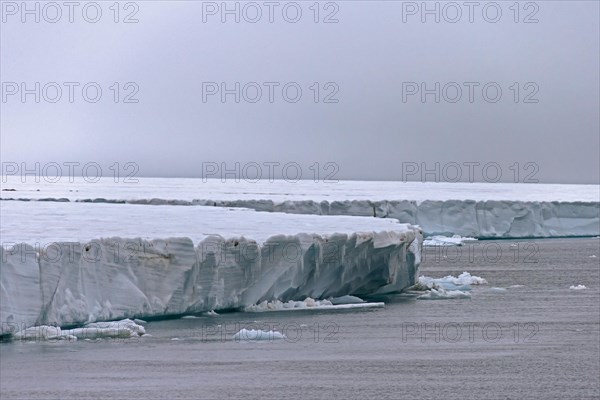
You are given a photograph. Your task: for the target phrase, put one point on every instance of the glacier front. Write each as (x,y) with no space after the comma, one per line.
(67,273)
(480,219)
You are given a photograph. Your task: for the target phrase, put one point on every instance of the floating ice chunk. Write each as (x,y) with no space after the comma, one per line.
(448,287)
(427,283)
(455,240)
(39,333)
(309,304)
(211,313)
(125,325)
(498,289)
(98,333)
(277,305)
(515,286)
(123,329)
(462,282)
(423,284)
(189,317)
(115,329)
(441,294)
(249,335)
(346,300)
(578,287)
(139,321)
(467,279)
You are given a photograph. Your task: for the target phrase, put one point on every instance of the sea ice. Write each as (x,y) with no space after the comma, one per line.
(125,328)
(442,294)
(311,304)
(461,282)
(346,300)
(578,287)
(455,240)
(255,335)
(448,287)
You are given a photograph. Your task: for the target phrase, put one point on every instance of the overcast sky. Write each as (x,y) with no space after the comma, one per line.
(372,61)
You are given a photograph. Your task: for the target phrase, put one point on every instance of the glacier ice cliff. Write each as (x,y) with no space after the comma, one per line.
(480,219)
(71,283)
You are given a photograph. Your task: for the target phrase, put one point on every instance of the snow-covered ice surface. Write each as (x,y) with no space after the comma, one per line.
(167,260)
(188,189)
(481,210)
(45,222)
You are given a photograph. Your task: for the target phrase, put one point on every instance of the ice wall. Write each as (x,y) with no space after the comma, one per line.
(480,219)
(72,283)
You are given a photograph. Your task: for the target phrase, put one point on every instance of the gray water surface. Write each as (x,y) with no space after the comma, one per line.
(540,340)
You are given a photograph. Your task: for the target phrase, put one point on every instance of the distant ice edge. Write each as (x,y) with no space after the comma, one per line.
(479,219)
(173,276)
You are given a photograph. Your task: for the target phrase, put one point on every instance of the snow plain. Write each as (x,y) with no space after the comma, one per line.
(278,191)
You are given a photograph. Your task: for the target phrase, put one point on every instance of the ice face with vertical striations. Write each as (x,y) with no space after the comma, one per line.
(108,261)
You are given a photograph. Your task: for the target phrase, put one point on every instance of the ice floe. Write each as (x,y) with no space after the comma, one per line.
(578,287)
(311,304)
(123,329)
(256,335)
(438,240)
(442,294)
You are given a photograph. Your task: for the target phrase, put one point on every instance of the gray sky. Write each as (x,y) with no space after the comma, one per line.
(371,58)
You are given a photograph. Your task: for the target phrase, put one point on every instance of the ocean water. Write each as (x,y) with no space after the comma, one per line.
(523,335)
